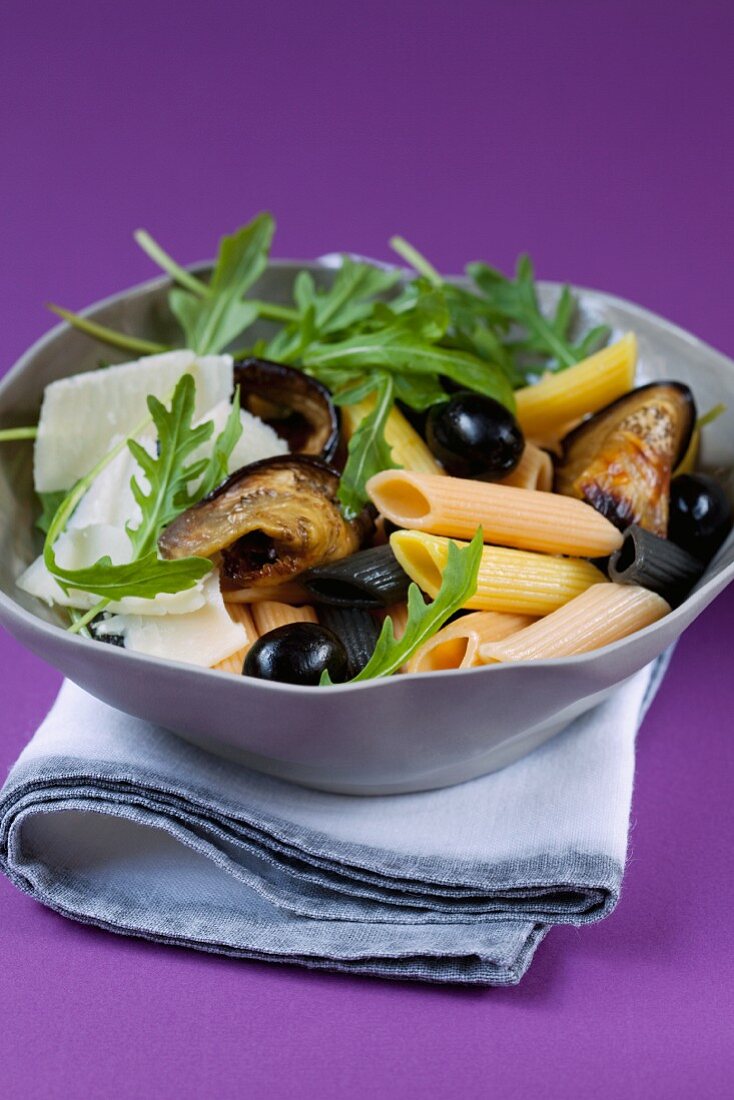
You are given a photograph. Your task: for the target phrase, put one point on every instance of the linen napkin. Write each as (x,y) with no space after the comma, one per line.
(118,823)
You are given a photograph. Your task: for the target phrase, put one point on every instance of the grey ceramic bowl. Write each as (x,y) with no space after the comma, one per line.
(404,734)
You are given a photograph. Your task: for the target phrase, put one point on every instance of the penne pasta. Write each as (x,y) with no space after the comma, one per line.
(270,614)
(399,615)
(534,470)
(601,615)
(655,563)
(588,386)
(370,578)
(408,449)
(521,518)
(457,645)
(238,613)
(357,631)
(515,581)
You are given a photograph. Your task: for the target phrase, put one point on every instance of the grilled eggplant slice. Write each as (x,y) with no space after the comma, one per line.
(620,460)
(270,521)
(297,407)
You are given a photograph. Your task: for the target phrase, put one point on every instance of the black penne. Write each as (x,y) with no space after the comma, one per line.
(356,630)
(369,579)
(654,563)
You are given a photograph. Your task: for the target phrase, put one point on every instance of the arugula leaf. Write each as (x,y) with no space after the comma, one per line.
(403,345)
(516,300)
(369,452)
(169,473)
(212,321)
(50,504)
(458,584)
(218,465)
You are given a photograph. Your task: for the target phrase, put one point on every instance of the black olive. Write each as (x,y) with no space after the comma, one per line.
(700,514)
(475,436)
(297,654)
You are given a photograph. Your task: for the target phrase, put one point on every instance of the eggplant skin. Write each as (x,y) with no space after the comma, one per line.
(296,406)
(621,460)
(269,522)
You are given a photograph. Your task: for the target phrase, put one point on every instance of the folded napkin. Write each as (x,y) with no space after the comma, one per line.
(118,823)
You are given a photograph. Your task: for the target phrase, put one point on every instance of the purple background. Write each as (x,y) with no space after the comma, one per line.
(599,137)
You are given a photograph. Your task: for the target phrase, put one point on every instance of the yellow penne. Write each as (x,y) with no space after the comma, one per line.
(588,386)
(533,471)
(408,449)
(688,463)
(239,614)
(453,506)
(457,645)
(270,614)
(515,581)
(601,615)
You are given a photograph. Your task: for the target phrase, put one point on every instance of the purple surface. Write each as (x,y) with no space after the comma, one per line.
(596,135)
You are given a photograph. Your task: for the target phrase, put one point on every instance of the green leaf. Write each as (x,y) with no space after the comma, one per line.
(168,472)
(420,391)
(709,417)
(402,348)
(458,584)
(218,467)
(210,323)
(50,504)
(146,577)
(369,452)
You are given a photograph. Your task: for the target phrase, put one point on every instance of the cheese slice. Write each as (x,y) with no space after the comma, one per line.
(203,637)
(84,416)
(78,548)
(258,439)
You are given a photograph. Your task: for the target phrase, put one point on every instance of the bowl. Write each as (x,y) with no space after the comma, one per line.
(407,733)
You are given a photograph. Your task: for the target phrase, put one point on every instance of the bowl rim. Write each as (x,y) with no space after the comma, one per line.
(12,610)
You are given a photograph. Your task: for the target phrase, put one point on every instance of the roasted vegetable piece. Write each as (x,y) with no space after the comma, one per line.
(270,521)
(475,436)
(297,407)
(297,654)
(620,460)
(700,514)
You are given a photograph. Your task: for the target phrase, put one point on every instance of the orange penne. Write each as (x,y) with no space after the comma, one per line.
(289,592)
(534,470)
(516,581)
(526,520)
(586,387)
(457,645)
(239,614)
(270,614)
(601,615)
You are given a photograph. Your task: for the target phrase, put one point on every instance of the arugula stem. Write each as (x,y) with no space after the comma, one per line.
(8,434)
(108,335)
(542,329)
(272,312)
(168,264)
(80,622)
(413,257)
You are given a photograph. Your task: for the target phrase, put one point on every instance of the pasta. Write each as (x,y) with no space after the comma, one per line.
(457,645)
(239,614)
(357,631)
(601,615)
(270,614)
(515,581)
(654,563)
(534,470)
(408,449)
(514,517)
(584,388)
(371,578)
(290,592)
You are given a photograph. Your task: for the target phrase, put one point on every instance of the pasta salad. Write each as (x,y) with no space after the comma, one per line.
(403,475)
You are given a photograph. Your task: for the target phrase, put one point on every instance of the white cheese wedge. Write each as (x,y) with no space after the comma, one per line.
(83,416)
(204,637)
(79,547)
